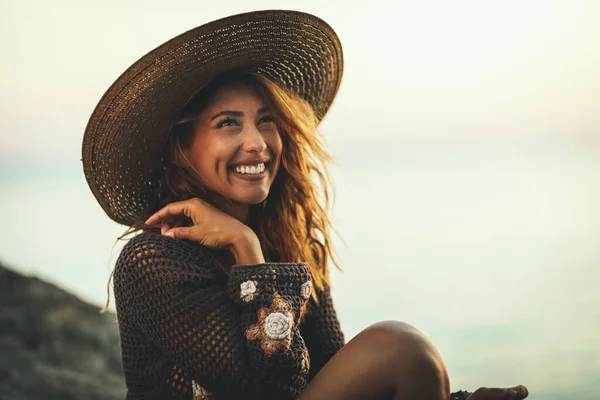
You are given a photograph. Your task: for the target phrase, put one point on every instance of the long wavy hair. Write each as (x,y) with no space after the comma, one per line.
(292,222)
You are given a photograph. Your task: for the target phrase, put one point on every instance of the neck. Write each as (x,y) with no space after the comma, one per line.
(239,211)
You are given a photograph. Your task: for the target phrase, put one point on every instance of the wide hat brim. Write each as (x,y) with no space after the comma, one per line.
(124,140)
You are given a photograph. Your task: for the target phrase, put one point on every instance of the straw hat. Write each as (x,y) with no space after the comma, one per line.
(124,139)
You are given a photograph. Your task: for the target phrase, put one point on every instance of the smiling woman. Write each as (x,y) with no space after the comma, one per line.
(237,122)
(225,293)
(231,141)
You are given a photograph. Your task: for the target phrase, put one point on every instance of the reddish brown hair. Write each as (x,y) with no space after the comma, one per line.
(292,223)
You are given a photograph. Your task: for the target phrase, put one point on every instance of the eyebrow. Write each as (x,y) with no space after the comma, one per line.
(236,113)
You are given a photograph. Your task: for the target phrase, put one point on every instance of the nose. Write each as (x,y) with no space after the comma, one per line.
(253,140)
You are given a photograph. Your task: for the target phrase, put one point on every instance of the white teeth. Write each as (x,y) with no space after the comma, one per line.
(250,169)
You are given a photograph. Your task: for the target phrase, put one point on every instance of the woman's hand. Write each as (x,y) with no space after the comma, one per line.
(513,393)
(195,219)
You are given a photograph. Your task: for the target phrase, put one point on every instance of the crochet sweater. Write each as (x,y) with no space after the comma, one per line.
(190,331)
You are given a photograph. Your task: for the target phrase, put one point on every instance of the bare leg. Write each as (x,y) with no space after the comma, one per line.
(388,360)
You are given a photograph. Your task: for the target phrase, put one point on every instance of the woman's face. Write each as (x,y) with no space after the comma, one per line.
(237,146)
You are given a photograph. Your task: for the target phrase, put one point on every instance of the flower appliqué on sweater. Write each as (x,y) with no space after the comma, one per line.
(247,290)
(200,393)
(305,290)
(274,326)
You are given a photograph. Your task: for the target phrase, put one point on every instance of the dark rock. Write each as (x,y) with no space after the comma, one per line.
(55,346)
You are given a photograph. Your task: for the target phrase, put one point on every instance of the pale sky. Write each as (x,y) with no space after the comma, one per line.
(416,71)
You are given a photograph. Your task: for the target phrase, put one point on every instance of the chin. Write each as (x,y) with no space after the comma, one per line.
(251,198)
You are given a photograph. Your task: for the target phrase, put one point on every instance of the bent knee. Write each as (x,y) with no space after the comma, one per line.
(404,346)
(398,336)
(395,328)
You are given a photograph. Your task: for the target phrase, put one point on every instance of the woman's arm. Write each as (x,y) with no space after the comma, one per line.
(246,248)
(223,339)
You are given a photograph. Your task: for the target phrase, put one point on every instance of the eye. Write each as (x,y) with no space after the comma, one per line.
(266,118)
(227,122)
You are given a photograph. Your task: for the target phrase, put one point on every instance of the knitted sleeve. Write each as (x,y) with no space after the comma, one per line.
(321,331)
(222,339)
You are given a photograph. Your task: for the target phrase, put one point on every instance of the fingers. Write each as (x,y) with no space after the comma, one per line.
(522,391)
(180,208)
(512,393)
(168,210)
(485,393)
(178,233)
(164,227)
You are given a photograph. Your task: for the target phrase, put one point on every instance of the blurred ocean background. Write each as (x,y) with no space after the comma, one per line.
(467,139)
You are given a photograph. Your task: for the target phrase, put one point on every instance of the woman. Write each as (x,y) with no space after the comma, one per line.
(225,294)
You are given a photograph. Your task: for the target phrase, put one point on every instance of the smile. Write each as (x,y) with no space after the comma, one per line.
(249,169)
(255,172)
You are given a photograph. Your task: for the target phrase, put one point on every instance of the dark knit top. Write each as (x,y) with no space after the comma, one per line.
(189,328)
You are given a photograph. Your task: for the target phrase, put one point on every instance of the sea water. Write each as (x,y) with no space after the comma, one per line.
(493,252)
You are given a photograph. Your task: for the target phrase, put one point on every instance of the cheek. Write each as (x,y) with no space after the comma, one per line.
(211,154)
(276,145)
(199,152)
(277,149)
